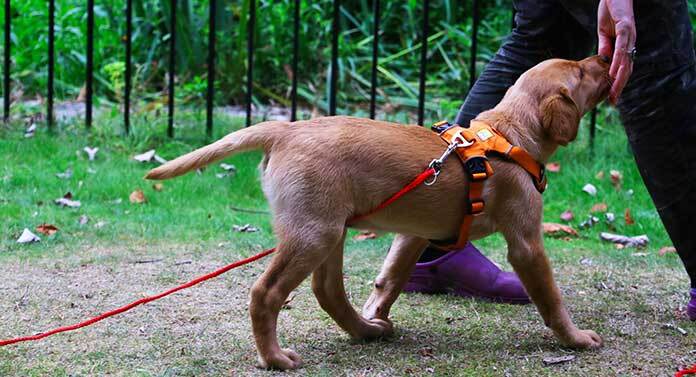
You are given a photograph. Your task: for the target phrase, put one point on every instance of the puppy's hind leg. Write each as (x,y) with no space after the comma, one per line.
(300,251)
(327,283)
(398,265)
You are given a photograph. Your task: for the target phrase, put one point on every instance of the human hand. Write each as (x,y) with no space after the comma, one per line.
(616,32)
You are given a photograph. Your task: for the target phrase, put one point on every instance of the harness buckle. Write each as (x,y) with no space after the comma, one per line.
(476,167)
(441,126)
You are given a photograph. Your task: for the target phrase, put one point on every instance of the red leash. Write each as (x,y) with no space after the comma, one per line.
(139,302)
(415,183)
(427,173)
(685,372)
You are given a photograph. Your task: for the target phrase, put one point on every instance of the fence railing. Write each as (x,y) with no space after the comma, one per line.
(332,79)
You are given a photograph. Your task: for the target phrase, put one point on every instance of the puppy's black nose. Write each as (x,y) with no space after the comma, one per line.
(605,59)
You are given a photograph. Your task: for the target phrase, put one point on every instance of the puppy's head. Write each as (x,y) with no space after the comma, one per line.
(564,91)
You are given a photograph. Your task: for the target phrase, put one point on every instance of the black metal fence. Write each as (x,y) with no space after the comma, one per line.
(333,74)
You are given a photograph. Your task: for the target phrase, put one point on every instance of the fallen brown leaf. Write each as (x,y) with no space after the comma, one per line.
(554,229)
(567,215)
(667,249)
(137,196)
(426,352)
(47,229)
(553,167)
(627,217)
(616,178)
(158,186)
(599,207)
(362,236)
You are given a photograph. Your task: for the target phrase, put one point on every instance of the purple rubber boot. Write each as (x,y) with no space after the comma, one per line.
(691,308)
(467,273)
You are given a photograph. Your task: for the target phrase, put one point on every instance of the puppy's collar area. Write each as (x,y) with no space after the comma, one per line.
(473,145)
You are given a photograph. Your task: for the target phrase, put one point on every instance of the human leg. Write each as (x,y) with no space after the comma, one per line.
(544,29)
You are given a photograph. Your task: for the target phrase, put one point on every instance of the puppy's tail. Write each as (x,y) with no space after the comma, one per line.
(256,137)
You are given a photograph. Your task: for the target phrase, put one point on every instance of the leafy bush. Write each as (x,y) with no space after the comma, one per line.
(447,72)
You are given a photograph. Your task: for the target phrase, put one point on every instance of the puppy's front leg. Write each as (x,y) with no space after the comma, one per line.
(526,254)
(398,265)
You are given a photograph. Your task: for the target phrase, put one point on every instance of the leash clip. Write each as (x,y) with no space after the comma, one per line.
(458,141)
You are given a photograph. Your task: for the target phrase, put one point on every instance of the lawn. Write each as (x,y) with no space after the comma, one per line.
(126,250)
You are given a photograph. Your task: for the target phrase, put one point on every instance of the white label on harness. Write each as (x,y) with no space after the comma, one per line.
(484,134)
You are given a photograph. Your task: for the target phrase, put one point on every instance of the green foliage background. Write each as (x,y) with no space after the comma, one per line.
(401,22)
(449,49)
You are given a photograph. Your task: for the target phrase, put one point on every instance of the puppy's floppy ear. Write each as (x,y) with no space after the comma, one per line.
(560,117)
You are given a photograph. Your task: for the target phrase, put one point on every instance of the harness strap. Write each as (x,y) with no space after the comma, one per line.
(528,163)
(473,146)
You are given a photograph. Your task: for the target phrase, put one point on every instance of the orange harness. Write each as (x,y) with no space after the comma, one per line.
(473,145)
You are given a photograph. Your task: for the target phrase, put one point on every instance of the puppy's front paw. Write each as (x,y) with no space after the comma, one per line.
(375,328)
(584,339)
(382,328)
(283,360)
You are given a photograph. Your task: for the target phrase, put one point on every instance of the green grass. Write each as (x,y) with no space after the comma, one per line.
(197,206)
(83,270)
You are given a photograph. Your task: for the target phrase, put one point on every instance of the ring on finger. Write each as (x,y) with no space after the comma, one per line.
(631,53)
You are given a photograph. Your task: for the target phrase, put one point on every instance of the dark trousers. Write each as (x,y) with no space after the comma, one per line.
(658,106)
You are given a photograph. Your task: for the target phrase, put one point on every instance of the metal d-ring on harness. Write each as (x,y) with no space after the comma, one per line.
(458,141)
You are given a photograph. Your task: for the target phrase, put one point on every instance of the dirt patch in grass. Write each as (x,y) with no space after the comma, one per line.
(206,330)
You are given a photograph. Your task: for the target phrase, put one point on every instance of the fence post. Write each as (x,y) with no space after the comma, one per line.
(251,27)
(211,68)
(127,88)
(6,65)
(423,63)
(474,44)
(375,59)
(295,58)
(334,57)
(172,65)
(51,61)
(90,63)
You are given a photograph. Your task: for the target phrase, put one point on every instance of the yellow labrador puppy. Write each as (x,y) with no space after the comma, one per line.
(319,173)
